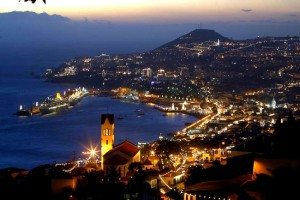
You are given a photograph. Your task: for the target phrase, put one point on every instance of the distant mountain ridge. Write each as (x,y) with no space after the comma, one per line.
(197,35)
(24,31)
(32,16)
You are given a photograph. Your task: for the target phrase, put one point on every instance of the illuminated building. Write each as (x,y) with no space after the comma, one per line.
(161,73)
(173,106)
(273,103)
(173,178)
(107,134)
(184,105)
(147,164)
(214,154)
(154,160)
(183,71)
(123,70)
(120,157)
(147,72)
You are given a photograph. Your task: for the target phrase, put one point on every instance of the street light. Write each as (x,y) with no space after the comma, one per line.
(91,152)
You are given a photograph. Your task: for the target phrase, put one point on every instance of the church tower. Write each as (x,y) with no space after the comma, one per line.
(107,134)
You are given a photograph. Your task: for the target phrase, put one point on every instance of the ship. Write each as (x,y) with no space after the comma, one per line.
(130,98)
(139,112)
(60,102)
(34,110)
(55,103)
(75,96)
(23,112)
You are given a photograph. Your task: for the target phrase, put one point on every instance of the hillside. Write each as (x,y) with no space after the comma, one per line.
(196,36)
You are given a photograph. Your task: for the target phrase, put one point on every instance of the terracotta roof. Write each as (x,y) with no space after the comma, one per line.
(126,147)
(110,118)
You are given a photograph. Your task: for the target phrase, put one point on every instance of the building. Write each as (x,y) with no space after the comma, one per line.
(161,73)
(214,154)
(273,103)
(121,156)
(147,164)
(107,134)
(147,72)
(123,70)
(173,178)
(118,156)
(183,71)
(154,161)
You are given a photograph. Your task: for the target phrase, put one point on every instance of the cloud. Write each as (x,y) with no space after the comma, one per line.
(247,10)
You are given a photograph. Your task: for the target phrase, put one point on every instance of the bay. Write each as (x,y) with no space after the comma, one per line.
(30,141)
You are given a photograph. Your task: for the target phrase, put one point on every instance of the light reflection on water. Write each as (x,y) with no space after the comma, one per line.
(27,142)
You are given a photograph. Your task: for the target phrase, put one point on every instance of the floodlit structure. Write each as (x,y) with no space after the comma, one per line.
(118,156)
(107,134)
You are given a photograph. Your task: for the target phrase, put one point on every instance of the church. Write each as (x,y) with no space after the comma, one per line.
(119,156)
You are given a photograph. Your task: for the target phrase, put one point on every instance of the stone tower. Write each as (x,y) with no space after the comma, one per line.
(107,134)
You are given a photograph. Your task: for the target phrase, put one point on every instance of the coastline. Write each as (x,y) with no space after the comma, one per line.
(80,125)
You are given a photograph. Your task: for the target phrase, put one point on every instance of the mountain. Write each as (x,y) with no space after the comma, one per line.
(34,38)
(30,29)
(32,16)
(196,36)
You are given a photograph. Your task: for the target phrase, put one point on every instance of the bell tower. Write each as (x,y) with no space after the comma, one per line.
(107,134)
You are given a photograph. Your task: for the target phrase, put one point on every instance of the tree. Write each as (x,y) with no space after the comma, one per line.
(135,166)
(112,176)
(137,183)
(33,1)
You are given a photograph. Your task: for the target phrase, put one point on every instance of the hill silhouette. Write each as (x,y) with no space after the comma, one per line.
(197,36)
(31,37)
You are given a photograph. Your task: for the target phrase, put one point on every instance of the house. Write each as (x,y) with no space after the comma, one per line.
(120,157)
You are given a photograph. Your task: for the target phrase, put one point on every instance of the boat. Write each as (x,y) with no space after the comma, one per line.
(62,102)
(140,112)
(75,96)
(49,107)
(55,103)
(35,109)
(131,98)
